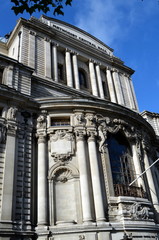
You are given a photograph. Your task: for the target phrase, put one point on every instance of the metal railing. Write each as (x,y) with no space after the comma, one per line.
(133,191)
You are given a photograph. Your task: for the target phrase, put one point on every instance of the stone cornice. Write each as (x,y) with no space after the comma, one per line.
(103,107)
(13,61)
(11,95)
(37,25)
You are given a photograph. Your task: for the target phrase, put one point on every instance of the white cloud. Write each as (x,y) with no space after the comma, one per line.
(111,20)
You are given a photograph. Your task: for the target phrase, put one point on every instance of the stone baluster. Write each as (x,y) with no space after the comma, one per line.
(69,69)
(118,88)
(93,78)
(47,58)
(96,184)
(111,86)
(99,79)
(75,71)
(55,64)
(84,182)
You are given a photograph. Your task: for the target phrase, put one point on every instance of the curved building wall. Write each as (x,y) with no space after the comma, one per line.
(72,140)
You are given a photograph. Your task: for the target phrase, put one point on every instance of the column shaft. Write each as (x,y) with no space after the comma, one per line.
(100,85)
(93,79)
(84,183)
(47,59)
(42,182)
(32,50)
(137,166)
(133,94)
(8,186)
(97,191)
(111,86)
(75,71)
(55,64)
(151,183)
(69,69)
(118,88)
(129,93)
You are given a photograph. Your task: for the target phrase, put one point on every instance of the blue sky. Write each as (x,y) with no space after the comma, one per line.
(130,27)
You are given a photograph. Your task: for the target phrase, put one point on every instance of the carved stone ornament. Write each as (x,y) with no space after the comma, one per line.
(3,130)
(139,212)
(135,211)
(62,145)
(102,133)
(81,237)
(90,119)
(63,174)
(11,129)
(80,119)
(11,114)
(41,122)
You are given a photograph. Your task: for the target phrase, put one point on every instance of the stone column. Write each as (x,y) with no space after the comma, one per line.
(96,184)
(151,184)
(84,182)
(111,86)
(118,87)
(55,64)
(9,77)
(129,92)
(137,164)
(133,94)
(99,79)
(75,71)
(32,48)
(42,181)
(9,173)
(69,69)
(93,79)
(47,58)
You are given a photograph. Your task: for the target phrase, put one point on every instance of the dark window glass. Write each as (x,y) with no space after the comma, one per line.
(60,121)
(60,72)
(105,88)
(1,75)
(120,159)
(122,167)
(82,79)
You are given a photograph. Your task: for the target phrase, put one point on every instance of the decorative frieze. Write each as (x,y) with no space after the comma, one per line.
(129,209)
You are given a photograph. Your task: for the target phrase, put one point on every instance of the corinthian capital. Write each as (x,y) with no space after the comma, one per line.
(91,135)
(80,134)
(41,138)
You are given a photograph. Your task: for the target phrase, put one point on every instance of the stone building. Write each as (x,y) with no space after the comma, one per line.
(72,140)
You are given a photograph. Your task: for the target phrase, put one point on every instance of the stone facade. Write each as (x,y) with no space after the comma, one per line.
(72,140)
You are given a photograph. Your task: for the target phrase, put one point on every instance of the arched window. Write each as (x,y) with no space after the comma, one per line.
(82,78)
(122,167)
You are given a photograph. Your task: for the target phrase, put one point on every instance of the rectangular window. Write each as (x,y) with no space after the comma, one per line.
(60,72)
(57,121)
